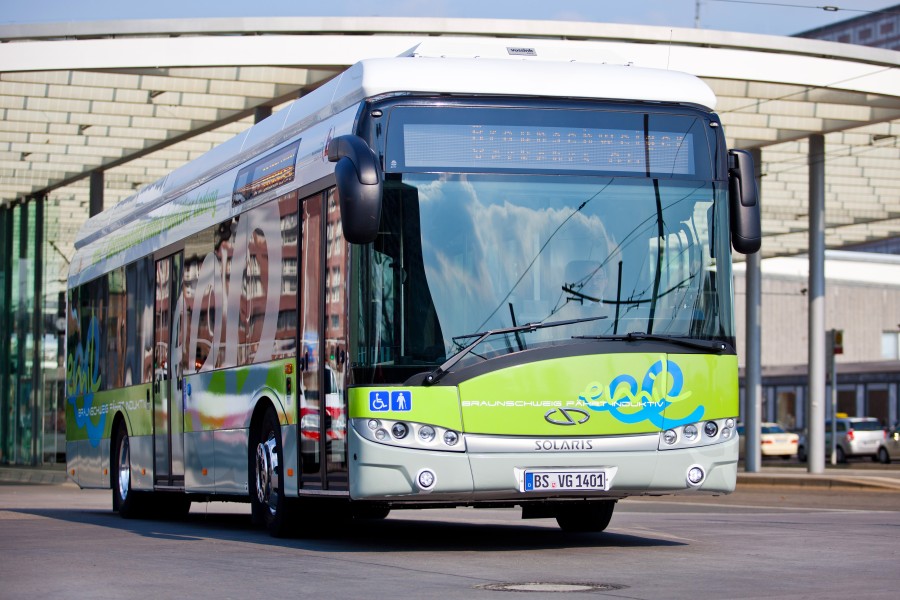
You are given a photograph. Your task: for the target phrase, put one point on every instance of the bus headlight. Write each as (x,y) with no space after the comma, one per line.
(409,434)
(696,435)
(399,430)
(426,480)
(696,475)
(690,432)
(426,433)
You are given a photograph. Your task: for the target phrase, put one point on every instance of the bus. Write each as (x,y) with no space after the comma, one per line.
(500,279)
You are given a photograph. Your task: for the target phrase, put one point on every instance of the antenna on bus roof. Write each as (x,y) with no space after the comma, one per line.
(545,50)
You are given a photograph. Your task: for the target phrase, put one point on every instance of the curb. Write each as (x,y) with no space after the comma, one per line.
(819,481)
(32,475)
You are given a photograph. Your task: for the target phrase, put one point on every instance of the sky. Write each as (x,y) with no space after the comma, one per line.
(776,17)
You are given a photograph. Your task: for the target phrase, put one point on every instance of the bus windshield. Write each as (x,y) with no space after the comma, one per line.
(460,253)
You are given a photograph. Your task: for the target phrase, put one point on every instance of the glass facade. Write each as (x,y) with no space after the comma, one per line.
(32,408)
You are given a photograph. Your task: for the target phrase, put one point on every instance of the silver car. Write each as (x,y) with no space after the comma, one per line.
(890,447)
(856,436)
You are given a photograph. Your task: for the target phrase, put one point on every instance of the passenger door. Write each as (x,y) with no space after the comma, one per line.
(168,410)
(324,308)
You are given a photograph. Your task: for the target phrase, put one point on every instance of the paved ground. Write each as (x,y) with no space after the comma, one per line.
(767,540)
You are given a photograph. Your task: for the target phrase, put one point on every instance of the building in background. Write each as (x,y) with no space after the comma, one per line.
(862,299)
(879,29)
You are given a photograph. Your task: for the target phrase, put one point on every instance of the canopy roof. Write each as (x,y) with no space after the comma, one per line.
(137,99)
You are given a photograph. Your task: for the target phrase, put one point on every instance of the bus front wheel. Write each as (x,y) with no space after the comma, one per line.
(585,517)
(268,502)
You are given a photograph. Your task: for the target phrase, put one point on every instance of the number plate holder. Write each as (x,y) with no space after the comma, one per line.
(563,480)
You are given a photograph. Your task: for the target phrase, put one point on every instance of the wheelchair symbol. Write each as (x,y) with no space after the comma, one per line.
(379,401)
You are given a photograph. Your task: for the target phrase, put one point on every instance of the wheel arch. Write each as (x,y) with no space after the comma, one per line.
(264,400)
(120,419)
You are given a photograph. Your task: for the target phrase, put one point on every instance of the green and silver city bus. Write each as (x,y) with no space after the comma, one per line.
(431,282)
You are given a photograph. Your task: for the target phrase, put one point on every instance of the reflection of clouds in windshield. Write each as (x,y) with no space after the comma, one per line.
(482,250)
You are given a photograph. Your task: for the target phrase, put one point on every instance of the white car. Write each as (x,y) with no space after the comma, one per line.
(890,447)
(856,437)
(773,441)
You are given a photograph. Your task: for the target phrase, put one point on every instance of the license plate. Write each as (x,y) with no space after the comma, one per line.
(552,481)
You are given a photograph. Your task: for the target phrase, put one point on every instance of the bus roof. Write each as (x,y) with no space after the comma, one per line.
(552,70)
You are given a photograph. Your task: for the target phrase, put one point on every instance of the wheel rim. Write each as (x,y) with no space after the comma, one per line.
(124,468)
(266,474)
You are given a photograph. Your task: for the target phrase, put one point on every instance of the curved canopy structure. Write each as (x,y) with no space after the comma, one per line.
(90,113)
(136,99)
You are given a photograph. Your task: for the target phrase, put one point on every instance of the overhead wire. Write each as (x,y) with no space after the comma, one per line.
(826,8)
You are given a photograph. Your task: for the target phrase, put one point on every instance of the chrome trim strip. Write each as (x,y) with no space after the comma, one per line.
(335,493)
(490,444)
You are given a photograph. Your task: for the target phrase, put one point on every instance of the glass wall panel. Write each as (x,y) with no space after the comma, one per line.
(6,370)
(786,409)
(846,402)
(877,405)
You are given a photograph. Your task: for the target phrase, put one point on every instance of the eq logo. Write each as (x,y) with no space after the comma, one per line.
(393,401)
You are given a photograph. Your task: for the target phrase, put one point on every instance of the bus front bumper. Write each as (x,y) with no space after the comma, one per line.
(491,472)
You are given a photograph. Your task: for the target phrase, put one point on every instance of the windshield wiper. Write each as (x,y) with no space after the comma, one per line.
(442,370)
(713,346)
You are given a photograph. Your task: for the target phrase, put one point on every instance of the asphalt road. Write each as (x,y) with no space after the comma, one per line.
(764,541)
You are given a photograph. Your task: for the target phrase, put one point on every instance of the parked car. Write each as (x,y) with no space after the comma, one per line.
(890,447)
(773,441)
(856,437)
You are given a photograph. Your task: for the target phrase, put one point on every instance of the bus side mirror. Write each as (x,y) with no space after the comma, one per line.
(358,177)
(743,197)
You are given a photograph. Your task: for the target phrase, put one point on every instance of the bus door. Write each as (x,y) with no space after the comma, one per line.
(168,414)
(323,410)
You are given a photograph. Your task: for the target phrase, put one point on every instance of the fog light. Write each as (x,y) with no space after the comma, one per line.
(381,434)
(426,433)
(695,475)
(399,430)
(374,424)
(451,438)
(670,437)
(710,429)
(426,480)
(726,433)
(690,432)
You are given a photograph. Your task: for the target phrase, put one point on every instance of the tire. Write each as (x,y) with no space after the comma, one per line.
(128,503)
(172,506)
(585,517)
(269,505)
(374,512)
(883,456)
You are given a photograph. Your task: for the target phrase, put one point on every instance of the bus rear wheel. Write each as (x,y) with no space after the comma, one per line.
(585,517)
(269,505)
(128,503)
